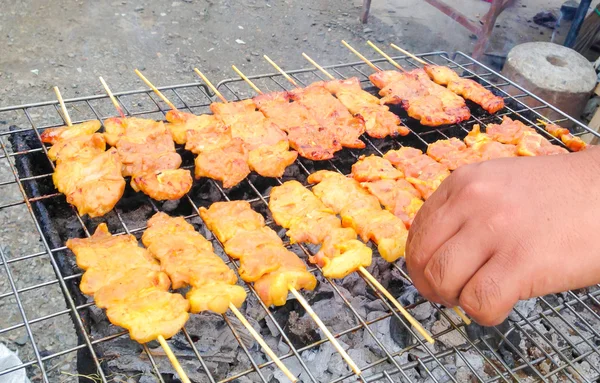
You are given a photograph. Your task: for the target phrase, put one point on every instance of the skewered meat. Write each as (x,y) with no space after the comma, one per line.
(330,113)
(374,168)
(465,87)
(181,124)
(508,132)
(85,173)
(361,211)
(267,144)
(228,164)
(487,147)
(106,258)
(163,184)
(236,224)
(53,136)
(342,254)
(226,219)
(424,100)
(572,142)
(86,146)
(146,148)
(422,171)
(296,208)
(379,121)
(453,153)
(142,305)
(213,137)
(93,185)
(529,142)
(398,197)
(133,280)
(150,313)
(188,258)
(311,139)
(534,144)
(246,246)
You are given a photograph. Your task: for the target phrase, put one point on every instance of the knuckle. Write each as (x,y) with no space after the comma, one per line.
(480,301)
(475,189)
(436,272)
(416,260)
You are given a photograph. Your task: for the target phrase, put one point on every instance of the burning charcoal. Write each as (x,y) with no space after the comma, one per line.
(475,331)
(301,331)
(147,378)
(409,295)
(381,330)
(452,338)
(525,308)
(318,359)
(399,332)
(355,285)
(169,206)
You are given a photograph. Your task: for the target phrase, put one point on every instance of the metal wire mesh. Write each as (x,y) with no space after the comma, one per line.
(560,341)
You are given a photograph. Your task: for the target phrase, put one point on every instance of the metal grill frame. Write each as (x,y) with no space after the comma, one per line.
(561,359)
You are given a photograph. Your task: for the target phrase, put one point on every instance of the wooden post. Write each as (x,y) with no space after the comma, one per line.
(365,11)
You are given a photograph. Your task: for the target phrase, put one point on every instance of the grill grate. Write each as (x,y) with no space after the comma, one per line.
(556,342)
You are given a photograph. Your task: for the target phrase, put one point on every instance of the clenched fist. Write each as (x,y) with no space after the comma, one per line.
(509,229)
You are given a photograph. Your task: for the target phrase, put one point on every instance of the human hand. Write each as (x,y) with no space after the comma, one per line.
(508,229)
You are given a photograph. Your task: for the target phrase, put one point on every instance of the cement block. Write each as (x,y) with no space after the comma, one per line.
(556,74)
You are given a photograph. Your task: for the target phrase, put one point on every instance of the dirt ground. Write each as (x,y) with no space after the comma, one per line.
(70,43)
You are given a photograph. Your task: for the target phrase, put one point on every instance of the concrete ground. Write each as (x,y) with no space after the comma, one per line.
(70,43)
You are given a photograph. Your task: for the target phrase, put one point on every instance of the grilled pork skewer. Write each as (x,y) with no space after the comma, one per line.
(328,111)
(464,87)
(147,152)
(189,260)
(126,280)
(379,121)
(264,259)
(424,100)
(220,156)
(306,135)
(267,144)
(574,143)
(296,208)
(361,211)
(85,172)
(529,142)
(307,219)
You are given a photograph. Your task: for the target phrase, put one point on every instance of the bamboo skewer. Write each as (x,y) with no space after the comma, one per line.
(392,61)
(173,359)
(313,62)
(112,97)
(420,60)
(363,58)
(63,107)
(234,309)
(364,271)
(262,343)
(158,92)
(287,77)
(210,85)
(243,76)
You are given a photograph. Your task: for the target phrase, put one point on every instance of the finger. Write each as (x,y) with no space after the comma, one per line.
(434,224)
(454,263)
(493,291)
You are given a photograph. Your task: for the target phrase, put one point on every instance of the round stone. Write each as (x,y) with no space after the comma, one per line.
(556,74)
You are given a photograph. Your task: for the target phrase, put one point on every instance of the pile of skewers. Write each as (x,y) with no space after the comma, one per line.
(376,203)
